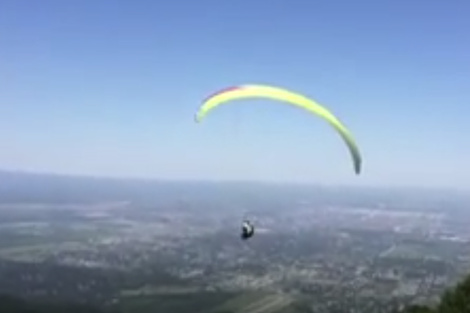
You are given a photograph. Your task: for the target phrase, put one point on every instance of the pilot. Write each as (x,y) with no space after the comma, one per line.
(248,230)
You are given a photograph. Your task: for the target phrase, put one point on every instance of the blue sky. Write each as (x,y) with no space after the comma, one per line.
(111,87)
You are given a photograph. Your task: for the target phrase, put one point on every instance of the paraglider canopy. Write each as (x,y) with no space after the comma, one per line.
(262,91)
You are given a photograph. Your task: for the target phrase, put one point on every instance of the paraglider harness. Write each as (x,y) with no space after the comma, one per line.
(248,230)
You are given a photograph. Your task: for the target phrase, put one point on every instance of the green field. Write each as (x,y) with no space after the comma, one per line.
(256,302)
(177,301)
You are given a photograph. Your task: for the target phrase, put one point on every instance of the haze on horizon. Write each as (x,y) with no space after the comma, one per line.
(110,90)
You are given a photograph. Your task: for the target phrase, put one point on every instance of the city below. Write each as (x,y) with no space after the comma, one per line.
(178,249)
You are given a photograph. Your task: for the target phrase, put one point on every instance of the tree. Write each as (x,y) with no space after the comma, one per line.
(454,300)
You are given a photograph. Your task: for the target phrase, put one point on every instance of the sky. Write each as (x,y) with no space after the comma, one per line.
(110,88)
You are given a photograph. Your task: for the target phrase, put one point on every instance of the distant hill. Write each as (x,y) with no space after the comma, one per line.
(49,188)
(23,187)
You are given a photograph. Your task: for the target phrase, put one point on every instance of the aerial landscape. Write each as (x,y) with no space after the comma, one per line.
(138,246)
(234,157)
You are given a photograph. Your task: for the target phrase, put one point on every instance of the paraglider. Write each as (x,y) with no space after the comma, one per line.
(248,230)
(274,93)
(262,91)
